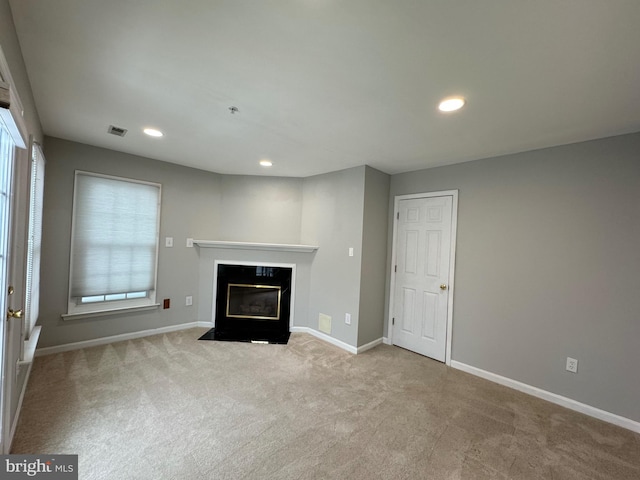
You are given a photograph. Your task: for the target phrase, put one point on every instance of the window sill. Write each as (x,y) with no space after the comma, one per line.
(113,311)
(30,346)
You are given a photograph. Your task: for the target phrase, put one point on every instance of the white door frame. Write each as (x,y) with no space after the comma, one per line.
(14,122)
(452,261)
(8,347)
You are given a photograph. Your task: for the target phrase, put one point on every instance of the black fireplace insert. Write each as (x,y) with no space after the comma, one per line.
(253,304)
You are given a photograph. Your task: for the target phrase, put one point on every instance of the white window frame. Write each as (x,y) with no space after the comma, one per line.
(76,310)
(36,202)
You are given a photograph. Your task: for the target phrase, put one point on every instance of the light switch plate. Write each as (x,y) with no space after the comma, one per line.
(168,242)
(189,242)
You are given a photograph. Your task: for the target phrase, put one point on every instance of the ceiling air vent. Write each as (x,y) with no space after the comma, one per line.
(113,130)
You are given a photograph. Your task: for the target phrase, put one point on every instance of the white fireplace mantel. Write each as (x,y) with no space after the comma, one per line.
(278,247)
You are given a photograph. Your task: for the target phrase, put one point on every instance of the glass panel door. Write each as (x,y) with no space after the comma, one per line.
(7,150)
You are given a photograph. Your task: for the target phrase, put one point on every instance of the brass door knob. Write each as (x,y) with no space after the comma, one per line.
(443,287)
(14,313)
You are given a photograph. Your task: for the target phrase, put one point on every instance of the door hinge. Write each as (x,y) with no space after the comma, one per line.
(393,321)
(398,215)
(395,268)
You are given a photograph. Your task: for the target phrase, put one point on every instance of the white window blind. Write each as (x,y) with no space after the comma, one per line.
(34,240)
(114,242)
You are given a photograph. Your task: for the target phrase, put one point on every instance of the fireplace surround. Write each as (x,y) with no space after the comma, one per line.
(252,302)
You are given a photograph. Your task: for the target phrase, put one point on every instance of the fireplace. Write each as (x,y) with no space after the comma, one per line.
(252,303)
(260,302)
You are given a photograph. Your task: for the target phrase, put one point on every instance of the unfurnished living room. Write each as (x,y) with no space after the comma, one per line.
(320,239)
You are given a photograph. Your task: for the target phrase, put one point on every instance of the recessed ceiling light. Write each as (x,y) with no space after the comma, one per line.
(266,163)
(152,132)
(451,104)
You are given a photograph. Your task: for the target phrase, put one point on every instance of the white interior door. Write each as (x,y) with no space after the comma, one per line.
(423,249)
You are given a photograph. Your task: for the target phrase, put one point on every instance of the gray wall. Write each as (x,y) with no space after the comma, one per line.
(332,218)
(326,210)
(190,208)
(548,266)
(374,248)
(261,209)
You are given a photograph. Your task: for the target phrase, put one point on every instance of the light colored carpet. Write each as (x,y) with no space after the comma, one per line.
(173,407)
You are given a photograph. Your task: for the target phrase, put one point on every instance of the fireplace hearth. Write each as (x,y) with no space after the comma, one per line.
(252,304)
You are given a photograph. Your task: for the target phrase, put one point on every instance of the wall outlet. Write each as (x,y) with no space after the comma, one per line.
(168,242)
(188,301)
(351,251)
(347,318)
(189,242)
(572,365)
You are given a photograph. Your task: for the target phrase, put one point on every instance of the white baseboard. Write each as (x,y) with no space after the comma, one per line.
(207,324)
(27,361)
(119,338)
(386,341)
(326,338)
(551,397)
(336,342)
(23,390)
(370,345)
(174,328)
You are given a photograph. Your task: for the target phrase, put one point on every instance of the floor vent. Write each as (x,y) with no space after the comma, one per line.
(120,132)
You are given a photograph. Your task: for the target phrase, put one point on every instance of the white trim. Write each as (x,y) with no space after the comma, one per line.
(292,266)
(386,341)
(452,262)
(7,372)
(281,247)
(550,397)
(14,426)
(118,338)
(113,311)
(336,342)
(29,346)
(326,338)
(29,353)
(452,272)
(369,346)
(12,117)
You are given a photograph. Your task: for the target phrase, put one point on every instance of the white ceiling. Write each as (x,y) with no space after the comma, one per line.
(323,85)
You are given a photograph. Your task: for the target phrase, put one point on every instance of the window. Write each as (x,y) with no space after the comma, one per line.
(114,244)
(34,239)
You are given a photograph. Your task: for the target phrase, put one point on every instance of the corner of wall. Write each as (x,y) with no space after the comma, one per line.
(374,256)
(332,212)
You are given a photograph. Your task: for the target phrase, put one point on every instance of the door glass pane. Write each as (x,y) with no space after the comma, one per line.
(6,170)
